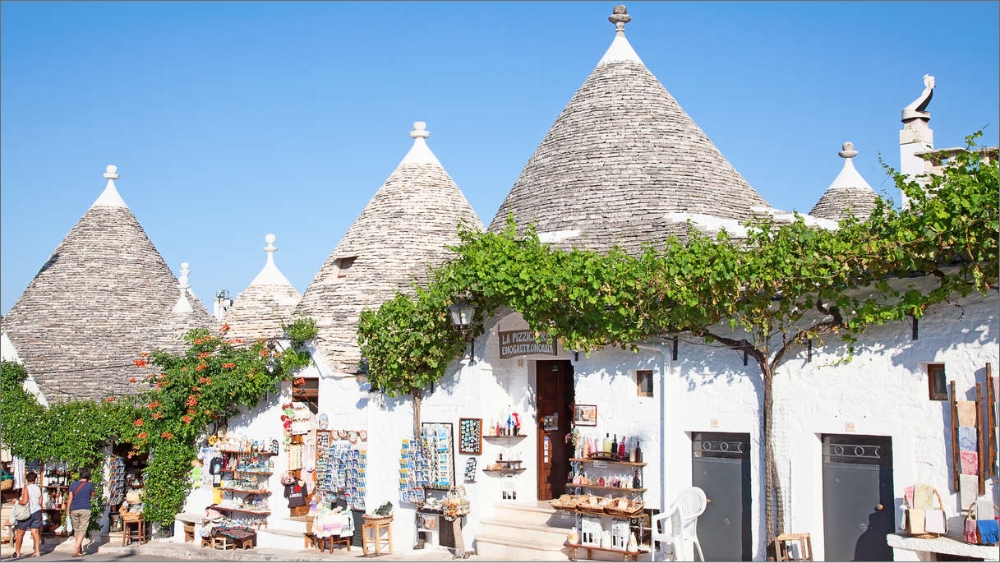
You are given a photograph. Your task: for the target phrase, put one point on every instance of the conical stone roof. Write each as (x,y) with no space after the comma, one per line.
(849,194)
(104,296)
(265,304)
(402,233)
(620,157)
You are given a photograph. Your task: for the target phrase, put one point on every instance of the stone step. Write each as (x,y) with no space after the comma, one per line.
(526,533)
(283,536)
(511,548)
(539,514)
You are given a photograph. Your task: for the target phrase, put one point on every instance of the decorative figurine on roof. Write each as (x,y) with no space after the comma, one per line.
(918,108)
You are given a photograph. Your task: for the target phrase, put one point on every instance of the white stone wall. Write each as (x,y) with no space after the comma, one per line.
(883,391)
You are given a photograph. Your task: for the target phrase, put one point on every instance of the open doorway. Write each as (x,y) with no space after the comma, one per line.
(555,396)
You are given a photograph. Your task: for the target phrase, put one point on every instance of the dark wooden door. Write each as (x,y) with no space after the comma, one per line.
(857,497)
(554,395)
(721,467)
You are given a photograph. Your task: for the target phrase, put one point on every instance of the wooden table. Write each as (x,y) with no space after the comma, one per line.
(626,555)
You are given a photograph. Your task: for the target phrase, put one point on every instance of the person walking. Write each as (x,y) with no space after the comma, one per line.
(79,508)
(31,495)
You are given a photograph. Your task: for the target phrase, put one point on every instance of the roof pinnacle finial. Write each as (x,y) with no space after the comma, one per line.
(183,305)
(111,172)
(620,17)
(419,130)
(848,151)
(185,270)
(270,248)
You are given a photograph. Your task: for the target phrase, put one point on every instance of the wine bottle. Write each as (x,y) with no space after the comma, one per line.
(621,449)
(636,481)
(631,453)
(586,448)
(614,446)
(607,444)
(638,452)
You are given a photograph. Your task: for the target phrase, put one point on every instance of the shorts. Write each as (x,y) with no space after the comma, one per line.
(81,521)
(33,522)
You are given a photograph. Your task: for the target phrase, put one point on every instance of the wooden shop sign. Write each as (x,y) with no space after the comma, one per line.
(522,342)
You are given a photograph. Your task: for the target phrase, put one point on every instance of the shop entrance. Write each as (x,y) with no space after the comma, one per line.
(857,497)
(554,390)
(721,467)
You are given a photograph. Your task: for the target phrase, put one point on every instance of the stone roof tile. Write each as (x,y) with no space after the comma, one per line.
(402,233)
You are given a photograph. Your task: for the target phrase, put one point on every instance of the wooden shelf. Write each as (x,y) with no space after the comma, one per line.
(247,491)
(509,470)
(624,552)
(259,452)
(231,509)
(609,460)
(505,438)
(606,488)
(247,472)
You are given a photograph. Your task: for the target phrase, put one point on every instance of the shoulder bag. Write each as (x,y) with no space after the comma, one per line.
(20,512)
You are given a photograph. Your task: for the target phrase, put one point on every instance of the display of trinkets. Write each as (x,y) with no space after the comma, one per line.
(116,480)
(470,470)
(343,469)
(438,445)
(413,473)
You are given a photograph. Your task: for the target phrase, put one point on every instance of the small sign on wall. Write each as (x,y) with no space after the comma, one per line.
(849,426)
(522,342)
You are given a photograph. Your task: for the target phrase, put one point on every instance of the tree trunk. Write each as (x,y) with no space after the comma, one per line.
(774,511)
(417,397)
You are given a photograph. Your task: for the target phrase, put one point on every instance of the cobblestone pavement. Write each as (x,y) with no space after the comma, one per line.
(61,549)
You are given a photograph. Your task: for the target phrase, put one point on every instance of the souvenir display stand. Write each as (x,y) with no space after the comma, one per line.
(608,506)
(246,468)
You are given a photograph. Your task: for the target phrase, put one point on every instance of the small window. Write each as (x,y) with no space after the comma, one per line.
(644,382)
(306,390)
(344,264)
(937,382)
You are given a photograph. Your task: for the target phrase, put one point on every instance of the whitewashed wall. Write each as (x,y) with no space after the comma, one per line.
(884,392)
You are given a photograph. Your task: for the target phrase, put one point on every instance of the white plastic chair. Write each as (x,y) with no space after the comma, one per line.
(678,525)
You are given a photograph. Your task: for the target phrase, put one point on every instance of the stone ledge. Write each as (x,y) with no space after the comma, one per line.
(944,544)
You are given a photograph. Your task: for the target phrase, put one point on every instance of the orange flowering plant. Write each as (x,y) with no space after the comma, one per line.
(215,376)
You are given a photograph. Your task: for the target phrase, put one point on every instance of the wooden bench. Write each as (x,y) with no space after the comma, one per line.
(626,555)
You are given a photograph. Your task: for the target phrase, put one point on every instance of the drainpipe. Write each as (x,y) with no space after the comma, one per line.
(663,421)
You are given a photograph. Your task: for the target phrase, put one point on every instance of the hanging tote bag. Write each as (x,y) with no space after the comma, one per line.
(20,512)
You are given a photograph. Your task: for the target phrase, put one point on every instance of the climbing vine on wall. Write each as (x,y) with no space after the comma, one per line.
(176,397)
(764,294)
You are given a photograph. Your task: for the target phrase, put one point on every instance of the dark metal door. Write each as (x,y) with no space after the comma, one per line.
(721,467)
(857,497)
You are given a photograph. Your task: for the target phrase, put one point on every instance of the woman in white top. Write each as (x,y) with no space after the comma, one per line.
(31,495)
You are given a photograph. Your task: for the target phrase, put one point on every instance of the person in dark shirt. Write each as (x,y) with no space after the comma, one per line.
(79,508)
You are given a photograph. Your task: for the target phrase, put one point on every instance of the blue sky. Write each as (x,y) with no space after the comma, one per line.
(231,120)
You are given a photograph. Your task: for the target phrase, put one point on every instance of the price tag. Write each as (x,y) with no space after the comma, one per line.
(600,465)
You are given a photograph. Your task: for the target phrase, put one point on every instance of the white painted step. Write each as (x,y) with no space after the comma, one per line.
(506,548)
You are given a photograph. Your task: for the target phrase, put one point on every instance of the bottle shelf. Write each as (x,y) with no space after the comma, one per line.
(610,460)
(606,488)
(238,452)
(247,491)
(247,472)
(505,438)
(246,510)
(508,470)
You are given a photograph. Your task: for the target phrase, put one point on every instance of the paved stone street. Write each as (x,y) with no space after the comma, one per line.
(61,549)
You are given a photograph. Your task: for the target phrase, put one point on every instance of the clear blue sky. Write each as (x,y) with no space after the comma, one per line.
(231,120)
